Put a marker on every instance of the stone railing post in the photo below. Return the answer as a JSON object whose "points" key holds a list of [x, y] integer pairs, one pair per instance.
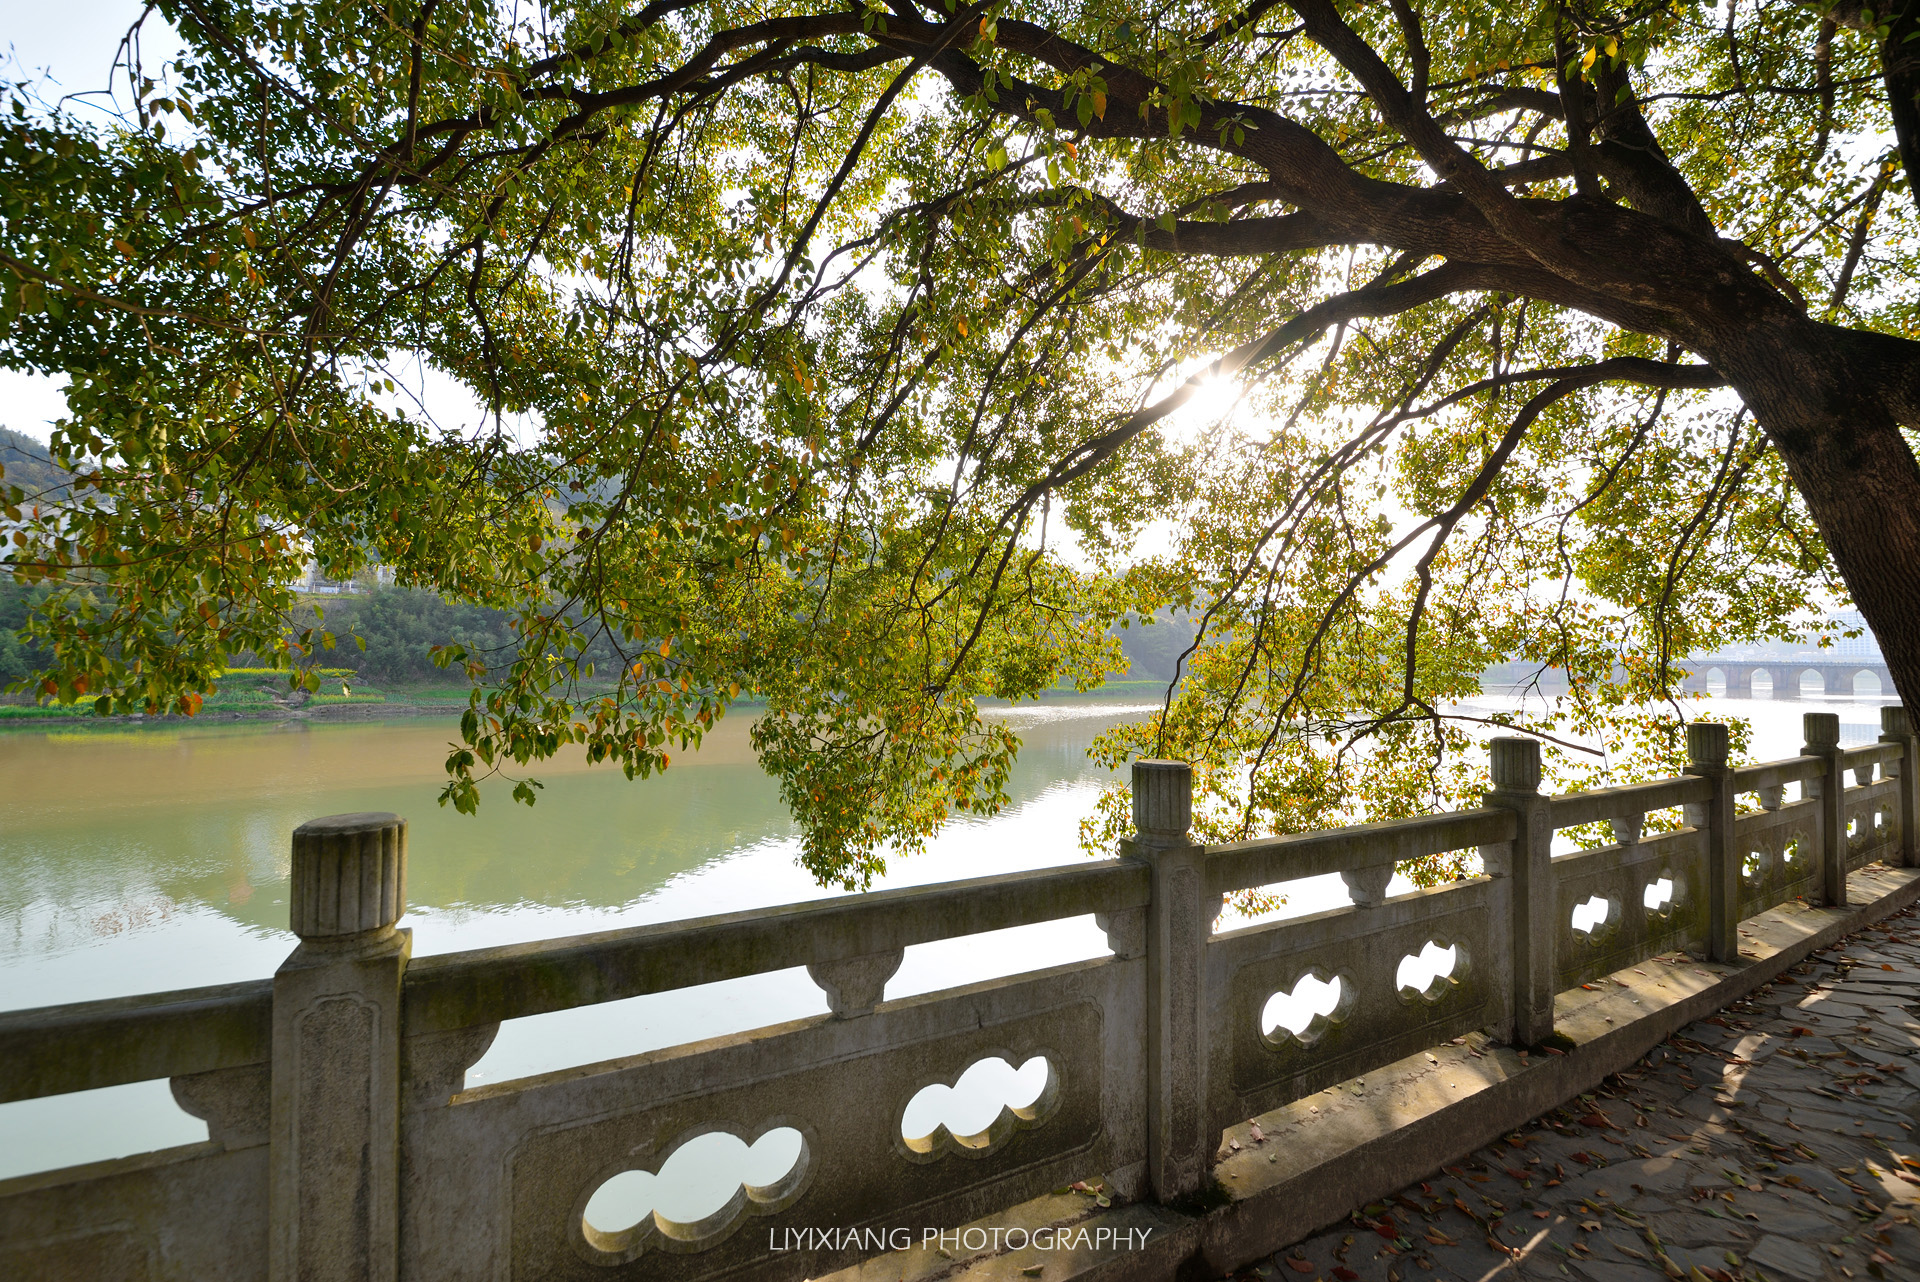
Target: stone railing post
{"points": [[1179, 1149], [1516, 787], [1707, 757], [1895, 728], [1822, 731], [333, 1166]]}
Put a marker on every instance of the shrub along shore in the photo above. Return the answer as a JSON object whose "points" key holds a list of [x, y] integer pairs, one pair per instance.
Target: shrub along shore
{"points": [[394, 675]]}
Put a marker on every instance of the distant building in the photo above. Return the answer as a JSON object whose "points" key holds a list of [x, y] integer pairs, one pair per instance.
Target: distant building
{"points": [[1863, 647], [318, 584]]}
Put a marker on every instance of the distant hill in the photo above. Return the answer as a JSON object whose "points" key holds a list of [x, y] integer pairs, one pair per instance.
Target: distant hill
{"points": [[30, 466], [1154, 646]]}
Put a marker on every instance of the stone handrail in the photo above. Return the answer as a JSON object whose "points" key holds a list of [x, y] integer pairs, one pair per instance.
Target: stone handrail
{"points": [[1240, 865], [88, 1045], [1579, 808], [346, 1143], [486, 985], [1775, 774]]}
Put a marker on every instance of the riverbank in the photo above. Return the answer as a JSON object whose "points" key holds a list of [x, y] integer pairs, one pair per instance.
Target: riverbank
{"points": [[254, 705], [361, 703]]}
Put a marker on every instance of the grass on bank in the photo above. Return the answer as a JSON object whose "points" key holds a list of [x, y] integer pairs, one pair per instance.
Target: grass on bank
{"points": [[248, 691], [245, 692]]}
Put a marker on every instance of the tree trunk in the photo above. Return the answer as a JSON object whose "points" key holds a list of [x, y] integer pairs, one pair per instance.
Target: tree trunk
{"points": [[1832, 401]]}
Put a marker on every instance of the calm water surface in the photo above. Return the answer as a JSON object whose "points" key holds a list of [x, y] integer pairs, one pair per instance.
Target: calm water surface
{"points": [[142, 859]]}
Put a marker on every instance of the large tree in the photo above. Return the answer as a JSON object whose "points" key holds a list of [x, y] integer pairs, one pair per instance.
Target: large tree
{"points": [[1414, 335]]}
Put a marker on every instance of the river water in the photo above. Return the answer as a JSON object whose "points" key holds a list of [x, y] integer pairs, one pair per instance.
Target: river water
{"points": [[139, 859]]}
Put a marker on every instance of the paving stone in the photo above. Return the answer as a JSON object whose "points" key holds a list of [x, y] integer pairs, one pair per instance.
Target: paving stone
{"points": [[1830, 1006], [1743, 1112], [1593, 1271], [1816, 1180], [1693, 1229], [1788, 1258], [1879, 1000], [1794, 1222], [1648, 1175]]}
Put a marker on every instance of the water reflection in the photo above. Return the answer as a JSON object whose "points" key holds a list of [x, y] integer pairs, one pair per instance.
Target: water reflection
{"points": [[117, 837], [156, 858]]}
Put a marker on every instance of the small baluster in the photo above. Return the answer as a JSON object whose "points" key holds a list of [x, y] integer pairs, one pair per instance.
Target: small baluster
{"points": [[1368, 886], [855, 985]]}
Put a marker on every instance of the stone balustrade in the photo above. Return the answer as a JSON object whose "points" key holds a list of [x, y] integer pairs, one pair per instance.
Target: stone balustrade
{"points": [[345, 1143]]}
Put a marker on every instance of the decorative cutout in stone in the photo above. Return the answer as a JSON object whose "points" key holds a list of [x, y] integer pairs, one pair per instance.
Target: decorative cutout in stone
{"points": [[1658, 896], [855, 985], [708, 1183], [1431, 973], [1591, 917], [1755, 865], [1368, 886], [980, 1110], [1303, 1016]]}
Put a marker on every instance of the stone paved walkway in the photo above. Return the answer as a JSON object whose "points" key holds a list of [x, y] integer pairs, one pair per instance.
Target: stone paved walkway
{"points": [[1777, 1140]]}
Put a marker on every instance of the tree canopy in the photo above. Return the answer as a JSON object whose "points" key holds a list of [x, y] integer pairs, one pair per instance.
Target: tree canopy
{"points": [[873, 358]]}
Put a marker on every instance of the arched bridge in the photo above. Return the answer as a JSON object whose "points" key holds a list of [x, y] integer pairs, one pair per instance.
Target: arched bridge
{"points": [[1833, 676]]}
